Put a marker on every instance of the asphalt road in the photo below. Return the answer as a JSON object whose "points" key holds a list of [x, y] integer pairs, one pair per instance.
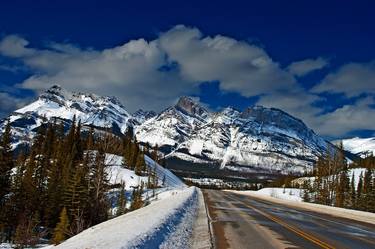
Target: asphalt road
{"points": [[239, 221]]}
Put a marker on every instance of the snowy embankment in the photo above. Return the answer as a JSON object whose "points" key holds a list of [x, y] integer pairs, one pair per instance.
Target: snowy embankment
{"points": [[166, 223], [334, 211], [290, 194]]}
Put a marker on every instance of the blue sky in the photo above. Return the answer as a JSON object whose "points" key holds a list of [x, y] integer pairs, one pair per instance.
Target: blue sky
{"points": [[314, 60]]}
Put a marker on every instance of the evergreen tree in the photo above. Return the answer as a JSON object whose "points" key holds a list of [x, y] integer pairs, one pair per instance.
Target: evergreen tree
{"points": [[359, 201], [352, 193], [98, 187], [137, 201], [61, 230], [140, 164], [6, 163], [121, 202]]}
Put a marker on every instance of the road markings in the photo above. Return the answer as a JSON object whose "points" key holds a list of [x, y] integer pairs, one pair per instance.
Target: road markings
{"points": [[289, 227]]}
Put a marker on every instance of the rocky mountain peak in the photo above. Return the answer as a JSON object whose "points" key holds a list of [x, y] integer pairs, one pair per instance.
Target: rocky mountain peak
{"points": [[141, 116], [191, 107]]}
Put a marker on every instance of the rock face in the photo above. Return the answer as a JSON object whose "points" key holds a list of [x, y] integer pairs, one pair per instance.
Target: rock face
{"points": [[141, 116], [257, 140]]}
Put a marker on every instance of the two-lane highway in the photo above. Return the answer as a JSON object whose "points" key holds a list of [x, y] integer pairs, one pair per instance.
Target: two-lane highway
{"points": [[241, 221]]}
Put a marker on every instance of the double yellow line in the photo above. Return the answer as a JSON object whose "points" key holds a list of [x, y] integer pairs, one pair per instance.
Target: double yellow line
{"points": [[289, 227]]}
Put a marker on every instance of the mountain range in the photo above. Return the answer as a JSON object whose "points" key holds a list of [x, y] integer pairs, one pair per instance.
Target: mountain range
{"points": [[257, 141]]}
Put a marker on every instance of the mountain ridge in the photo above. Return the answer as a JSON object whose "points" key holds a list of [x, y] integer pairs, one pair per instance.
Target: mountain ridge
{"points": [[257, 139]]}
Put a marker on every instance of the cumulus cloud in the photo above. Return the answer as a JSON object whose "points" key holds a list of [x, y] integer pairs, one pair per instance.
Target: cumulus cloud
{"points": [[239, 66], [359, 116], [296, 102], [301, 68], [151, 74], [15, 46], [351, 79]]}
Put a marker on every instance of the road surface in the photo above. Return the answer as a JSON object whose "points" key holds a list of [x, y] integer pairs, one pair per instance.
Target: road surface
{"points": [[239, 221]]}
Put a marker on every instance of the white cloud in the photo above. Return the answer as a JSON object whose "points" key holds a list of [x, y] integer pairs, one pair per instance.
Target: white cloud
{"points": [[359, 116], [301, 68], [15, 46], [351, 79], [297, 103], [9, 103], [239, 66], [132, 71]]}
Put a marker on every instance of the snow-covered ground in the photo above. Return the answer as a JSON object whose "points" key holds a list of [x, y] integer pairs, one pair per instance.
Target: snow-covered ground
{"points": [[359, 146], [117, 173], [357, 172], [290, 194], [165, 223]]}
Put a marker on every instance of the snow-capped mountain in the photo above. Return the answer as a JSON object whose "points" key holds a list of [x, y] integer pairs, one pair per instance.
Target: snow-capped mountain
{"points": [[58, 103], [141, 116], [174, 125], [256, 140], [253, 141], [360, 146]]}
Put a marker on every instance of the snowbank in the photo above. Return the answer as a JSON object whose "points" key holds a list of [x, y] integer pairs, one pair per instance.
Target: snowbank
{"points": [[166, 223], [290, 194]]}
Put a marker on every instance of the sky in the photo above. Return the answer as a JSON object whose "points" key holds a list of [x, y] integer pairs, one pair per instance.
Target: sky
{"points": [[312, 59]]}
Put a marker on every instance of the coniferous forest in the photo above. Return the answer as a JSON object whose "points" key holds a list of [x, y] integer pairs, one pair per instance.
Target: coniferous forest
{"points": [[58, 186], [331, 183]]}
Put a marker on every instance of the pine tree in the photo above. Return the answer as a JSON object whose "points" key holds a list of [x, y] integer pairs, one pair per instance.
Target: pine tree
{"points": [[352, 193], [61, 230], [121, 203], [137, 201], [305, 191], [98, 187], [367, 188], [140, 164], [359, 200], [6, 163]]}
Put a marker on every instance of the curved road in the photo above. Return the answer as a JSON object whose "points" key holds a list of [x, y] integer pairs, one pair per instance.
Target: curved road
{"points": [[241, 221]]}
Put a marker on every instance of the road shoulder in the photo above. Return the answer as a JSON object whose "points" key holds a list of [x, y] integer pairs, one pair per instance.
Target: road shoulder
{"points": [[356, 215], [201, 237]]}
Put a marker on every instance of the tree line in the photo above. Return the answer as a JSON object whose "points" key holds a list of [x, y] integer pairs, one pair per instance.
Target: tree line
{"points": [[331, 184], [58, 186]]}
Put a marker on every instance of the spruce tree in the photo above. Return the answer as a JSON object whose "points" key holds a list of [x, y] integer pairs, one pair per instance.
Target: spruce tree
{"points": [[98, 188], [121, 202], [61, 230], [6, 163]]}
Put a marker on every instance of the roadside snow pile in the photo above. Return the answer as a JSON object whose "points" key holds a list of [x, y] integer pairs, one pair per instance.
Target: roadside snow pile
{"points": [[290, 194], [166, 223]]}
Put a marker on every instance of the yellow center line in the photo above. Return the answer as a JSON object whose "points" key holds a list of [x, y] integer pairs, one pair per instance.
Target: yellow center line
{"points": [[289, 227]]}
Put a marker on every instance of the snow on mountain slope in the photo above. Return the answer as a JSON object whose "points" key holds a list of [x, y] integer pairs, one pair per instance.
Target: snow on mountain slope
{"points": [[360, 146], [58, 103], [257, 139], [89, 108], [141, 116], [174, 125]]}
